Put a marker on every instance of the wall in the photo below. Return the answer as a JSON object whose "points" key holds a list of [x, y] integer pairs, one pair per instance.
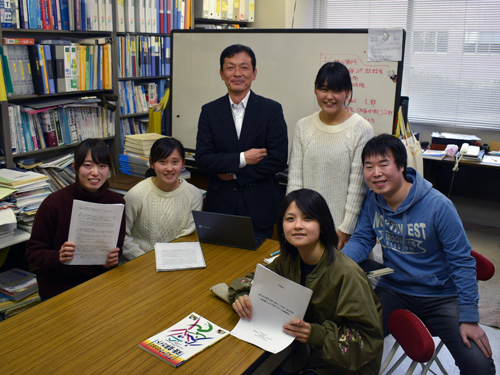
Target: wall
{"points": [[279, 14]]}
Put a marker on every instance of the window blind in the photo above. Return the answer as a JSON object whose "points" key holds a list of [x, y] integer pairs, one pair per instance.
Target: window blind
{"points": [[451, 64]]}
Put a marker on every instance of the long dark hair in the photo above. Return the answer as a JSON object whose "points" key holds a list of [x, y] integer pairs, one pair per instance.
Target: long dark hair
{"points": [[312, 204], [162, 149]]}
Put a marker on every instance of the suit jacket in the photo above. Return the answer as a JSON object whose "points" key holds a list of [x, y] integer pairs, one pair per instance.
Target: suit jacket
{"points": [[218, 151]]}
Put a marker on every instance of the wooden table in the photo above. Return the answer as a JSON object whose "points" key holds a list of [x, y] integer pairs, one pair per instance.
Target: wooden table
{"points": [[95, 328]]}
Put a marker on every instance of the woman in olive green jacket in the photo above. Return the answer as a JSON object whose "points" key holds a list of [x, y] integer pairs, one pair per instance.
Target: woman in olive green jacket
{"points": [[341, 332]]}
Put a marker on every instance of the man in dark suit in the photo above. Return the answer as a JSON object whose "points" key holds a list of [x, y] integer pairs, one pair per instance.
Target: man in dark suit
{"points": [[242, 143]]}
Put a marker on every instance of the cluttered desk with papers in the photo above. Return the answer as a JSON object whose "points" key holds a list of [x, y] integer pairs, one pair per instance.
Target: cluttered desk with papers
{"points": [[459, 164]]}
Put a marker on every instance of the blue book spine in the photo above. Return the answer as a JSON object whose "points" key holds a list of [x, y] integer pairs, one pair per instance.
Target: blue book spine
{"points": [[174, 15], [167, 57], [99, 67], [153, 53], [54, 14], [41, 63], [165, 16], [83, 15], [50, 68], [150, 58], [23, 24], [63, 118], [143, 57], [126, 98], [65, 14], [38, 15]]}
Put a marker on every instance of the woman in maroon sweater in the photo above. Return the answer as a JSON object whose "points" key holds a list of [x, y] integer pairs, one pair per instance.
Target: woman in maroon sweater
{"points": [[48, 248]]}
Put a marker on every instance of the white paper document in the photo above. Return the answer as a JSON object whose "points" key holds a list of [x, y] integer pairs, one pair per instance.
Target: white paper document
{"points": [[275, 301], [94, 228], [178, 256], [385, 44]]}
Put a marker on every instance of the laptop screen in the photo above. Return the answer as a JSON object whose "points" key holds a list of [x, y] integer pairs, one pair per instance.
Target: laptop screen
{"points": [[224, 229]]}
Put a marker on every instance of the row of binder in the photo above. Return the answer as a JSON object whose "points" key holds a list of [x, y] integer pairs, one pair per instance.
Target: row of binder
{"points": [[226, 10], [143, 56], [87, 15], [56, 68]]}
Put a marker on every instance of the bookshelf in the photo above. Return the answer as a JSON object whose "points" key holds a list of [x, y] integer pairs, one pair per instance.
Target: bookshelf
{"points": [[42, 101], [223, 14], [120, 34]]}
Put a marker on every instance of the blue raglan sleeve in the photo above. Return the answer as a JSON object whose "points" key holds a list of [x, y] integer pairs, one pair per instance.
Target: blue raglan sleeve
{"points": [[364, 238], [457, 248]]}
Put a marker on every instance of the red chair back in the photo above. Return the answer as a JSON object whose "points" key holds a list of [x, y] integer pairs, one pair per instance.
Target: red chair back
{"points": [[485, 269], [412, 335]]}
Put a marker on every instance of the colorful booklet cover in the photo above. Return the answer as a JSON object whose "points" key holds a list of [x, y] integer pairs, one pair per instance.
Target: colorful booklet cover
{"points": [[184, 340]]}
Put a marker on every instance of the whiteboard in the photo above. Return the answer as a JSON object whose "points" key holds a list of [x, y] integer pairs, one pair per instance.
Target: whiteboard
{"points": [[287, 64]]}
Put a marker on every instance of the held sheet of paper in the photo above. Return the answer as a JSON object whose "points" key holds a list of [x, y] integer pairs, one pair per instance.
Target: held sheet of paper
{"points": [[94, 228], [275, 301]]}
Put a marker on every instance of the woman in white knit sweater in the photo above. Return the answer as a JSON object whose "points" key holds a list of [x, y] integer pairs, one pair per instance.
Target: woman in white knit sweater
{"points": [[159, 208], [326, 150]]}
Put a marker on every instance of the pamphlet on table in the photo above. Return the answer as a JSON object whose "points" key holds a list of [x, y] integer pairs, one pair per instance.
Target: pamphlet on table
{"points": [[184, 340]]}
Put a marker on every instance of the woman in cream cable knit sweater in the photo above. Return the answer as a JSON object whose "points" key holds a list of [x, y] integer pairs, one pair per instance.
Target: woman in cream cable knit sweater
{"points": [[159, 208], [326, 150]]}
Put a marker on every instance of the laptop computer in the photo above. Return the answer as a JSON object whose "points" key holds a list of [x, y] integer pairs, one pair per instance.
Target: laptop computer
{"points": [[226, 230]]}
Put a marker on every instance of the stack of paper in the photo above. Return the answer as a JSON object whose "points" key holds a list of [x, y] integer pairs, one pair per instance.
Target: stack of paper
{"points": [[8, 223], [59, 171], [10, 308], [16, 178], [16, 284], [23, 192]]}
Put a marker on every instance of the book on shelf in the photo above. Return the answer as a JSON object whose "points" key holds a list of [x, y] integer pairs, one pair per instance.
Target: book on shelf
{"points": [[175, 256], [16, 284], [184, 340], [18, 68], [3, 86], [26, 41]]}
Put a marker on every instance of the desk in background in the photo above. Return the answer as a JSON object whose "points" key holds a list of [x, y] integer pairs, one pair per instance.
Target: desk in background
{"points": [[95, 327], [473, 180]]}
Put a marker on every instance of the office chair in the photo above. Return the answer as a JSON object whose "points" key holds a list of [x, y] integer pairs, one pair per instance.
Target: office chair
{"points": [[414, 337]]}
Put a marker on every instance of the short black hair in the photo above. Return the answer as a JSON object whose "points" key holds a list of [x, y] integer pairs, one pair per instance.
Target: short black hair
{"points": [[335, 76], [383, 145], [312, 204], [99, 151], [162, 149], [233, 50]]}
